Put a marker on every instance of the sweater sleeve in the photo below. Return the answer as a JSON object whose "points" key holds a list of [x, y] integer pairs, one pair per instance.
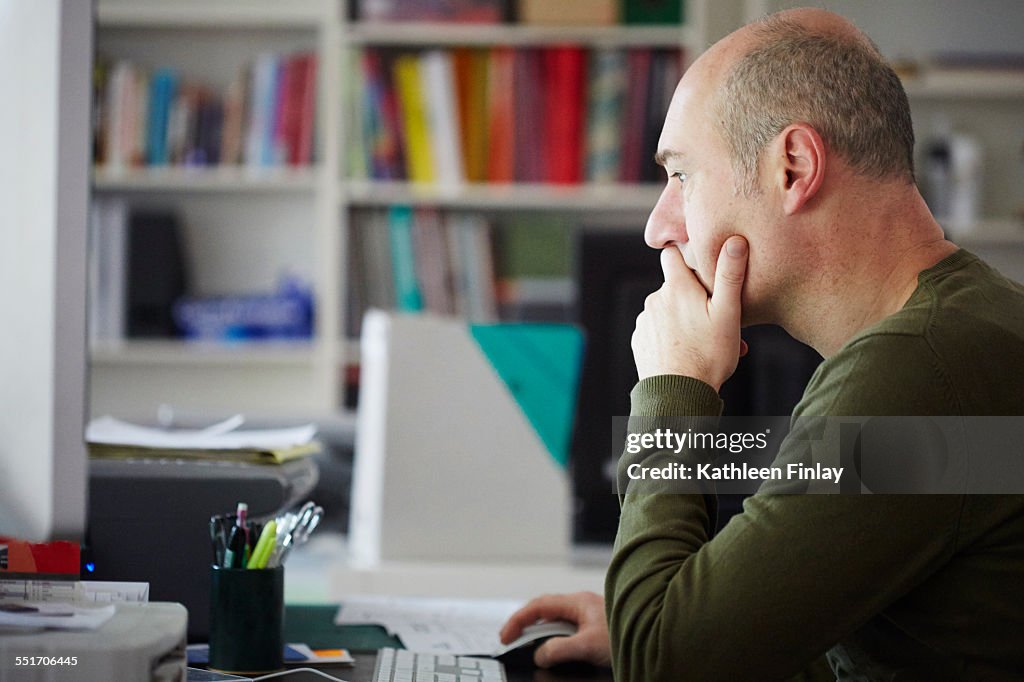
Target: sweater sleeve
{"points": [[791, 575]]}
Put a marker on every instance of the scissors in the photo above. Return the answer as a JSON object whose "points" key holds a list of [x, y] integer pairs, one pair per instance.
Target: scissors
{"points": [[294, 529]]}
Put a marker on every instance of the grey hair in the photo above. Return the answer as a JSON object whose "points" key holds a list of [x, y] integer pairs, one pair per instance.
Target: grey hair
{"points": [[839, 84]]}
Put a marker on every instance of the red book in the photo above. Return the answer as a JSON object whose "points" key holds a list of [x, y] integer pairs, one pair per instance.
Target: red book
{"points": [[501, 107], [307, 111], [285, 76], [565, 73], [637, 94]]}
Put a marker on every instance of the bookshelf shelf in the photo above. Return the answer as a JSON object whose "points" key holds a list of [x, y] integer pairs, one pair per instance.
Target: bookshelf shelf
{"points": [[516, 196], [205, 179], [194, 15], [436, 34], [178, 353]]}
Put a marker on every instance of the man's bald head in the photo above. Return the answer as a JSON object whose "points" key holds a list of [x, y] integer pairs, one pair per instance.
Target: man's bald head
{"points": [[815, 67]]}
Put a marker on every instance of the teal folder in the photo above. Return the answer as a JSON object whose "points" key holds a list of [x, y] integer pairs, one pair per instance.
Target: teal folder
{"points": [[540, 365]]}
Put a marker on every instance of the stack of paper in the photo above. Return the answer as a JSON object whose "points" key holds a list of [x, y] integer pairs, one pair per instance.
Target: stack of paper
{"points": [[114, 439]]}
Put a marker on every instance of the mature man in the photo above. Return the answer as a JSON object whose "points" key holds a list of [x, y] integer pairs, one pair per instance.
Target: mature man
{"points": [[791, 200]]}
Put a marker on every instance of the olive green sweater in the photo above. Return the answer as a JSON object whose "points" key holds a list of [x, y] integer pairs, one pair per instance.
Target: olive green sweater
{"points": [[891, 587]]}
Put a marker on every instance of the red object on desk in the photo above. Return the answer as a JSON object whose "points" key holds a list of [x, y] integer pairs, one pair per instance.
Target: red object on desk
{"points": [[60, 557]]}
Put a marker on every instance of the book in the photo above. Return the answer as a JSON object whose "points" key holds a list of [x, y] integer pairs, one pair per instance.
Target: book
{"points": [[432, 262], [306, 94], [564, 68], [163, 90], [607, 93], [477, 267], [287, 104], [637, 92], [408, 296], [235, 99], [471, 87], [530, 131], [371, 282], [438, 86], [419, 155], [501, 113]]}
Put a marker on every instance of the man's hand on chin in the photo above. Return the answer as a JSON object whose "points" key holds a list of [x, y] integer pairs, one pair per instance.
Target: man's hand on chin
{"points": [[684, 331]]}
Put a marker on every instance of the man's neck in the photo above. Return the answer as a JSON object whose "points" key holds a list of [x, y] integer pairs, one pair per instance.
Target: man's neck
{"points": [[868, 275]]}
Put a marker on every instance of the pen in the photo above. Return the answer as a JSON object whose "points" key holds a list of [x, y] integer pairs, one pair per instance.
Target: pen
{"points": [[235, 552], [263, 548]]}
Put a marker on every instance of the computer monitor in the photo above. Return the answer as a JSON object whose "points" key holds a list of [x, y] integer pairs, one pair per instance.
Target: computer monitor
{"points": [[45, 66], [615, 271]]}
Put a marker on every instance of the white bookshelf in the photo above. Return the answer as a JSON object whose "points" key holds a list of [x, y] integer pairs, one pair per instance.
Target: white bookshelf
{"points": [[313, 205], [192, 14], [302, 215], [513, 196], [428, 34], [244, 226], [206, 179], [173, 353]]}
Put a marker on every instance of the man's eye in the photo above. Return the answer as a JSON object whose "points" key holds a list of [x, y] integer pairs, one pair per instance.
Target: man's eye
{"points": [[680, 176]]}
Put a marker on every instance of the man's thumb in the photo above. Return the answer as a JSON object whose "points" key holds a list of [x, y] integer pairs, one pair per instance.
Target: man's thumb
{"points": [[729, 276]]}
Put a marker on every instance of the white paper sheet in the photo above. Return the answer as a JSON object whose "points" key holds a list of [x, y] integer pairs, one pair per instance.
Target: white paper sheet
{"points": [[441, 626], [110, 431]]}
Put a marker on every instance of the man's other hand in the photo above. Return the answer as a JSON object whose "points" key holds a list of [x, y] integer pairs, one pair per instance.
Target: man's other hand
{"points": [[586, 609], [683, 330]]}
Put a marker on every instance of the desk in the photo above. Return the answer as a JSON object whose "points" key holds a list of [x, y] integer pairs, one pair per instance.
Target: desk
{"points": [[315, 626]]}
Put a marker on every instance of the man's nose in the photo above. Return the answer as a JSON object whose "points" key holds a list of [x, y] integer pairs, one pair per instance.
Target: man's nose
{"points": [[666, 224]]}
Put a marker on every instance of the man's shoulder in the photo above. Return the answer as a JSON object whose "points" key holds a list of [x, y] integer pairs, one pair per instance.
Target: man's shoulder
{"points": [[887, 372], [957, 347]]}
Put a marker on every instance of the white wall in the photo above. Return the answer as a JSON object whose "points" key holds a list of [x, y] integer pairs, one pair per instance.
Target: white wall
{"points": [[45, 61]]}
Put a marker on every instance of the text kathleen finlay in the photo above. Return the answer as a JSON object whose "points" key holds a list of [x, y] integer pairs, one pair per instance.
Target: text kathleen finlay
{"points": [[733, 472]]}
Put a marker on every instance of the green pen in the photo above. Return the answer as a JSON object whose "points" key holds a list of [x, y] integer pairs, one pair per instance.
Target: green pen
{"points": [[263, 546]]}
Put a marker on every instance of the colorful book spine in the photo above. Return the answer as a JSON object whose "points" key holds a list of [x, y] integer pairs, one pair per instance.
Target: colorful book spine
{"points": [[561, 115], [306, 94], [638, 69], [501, 111], [408, 297], [265, 117], [530, 130], [163, 89], [419, 158], [604, 115], [565, 69], [437, 78]]}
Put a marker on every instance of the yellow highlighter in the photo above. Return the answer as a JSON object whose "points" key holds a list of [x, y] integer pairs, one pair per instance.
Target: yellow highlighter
{"points": [[264, 545]]}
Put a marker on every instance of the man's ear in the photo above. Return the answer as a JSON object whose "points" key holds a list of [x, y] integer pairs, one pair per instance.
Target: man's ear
{"points": [[801, 165]]}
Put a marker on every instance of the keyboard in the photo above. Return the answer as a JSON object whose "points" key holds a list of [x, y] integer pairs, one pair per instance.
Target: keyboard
{"points": [[399, 665]]}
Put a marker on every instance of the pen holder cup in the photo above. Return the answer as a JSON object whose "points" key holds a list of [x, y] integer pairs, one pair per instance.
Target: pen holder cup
{"points": [[246, 619]]}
